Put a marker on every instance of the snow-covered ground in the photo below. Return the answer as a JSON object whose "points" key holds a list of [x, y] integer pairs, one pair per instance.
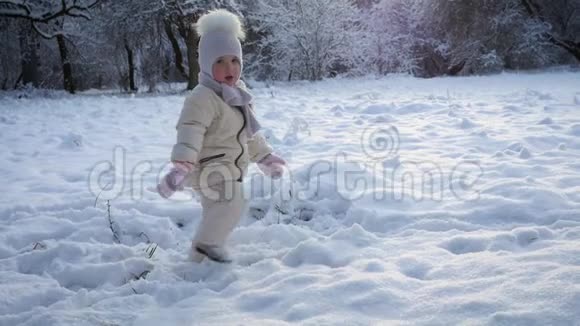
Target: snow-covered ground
{"points": [[409, 201]]}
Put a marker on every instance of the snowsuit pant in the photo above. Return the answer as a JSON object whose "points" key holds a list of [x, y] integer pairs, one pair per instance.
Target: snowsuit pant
{"points": [[223, 205]]}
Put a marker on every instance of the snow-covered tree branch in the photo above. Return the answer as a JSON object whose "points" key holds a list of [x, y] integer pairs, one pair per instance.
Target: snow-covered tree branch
{"points": [[305, 39], [563, 19], [46, 11]]}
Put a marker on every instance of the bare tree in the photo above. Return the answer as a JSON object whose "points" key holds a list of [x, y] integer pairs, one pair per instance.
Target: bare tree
{"points": [[392, 36], [482, 36], [45, 11], [129, 25], [48, 19], [29, 58], [307, 39], [564, 19], [181, 15]]}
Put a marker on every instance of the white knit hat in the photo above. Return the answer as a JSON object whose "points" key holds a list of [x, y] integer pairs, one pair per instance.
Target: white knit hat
{"points": [[220, 33]]}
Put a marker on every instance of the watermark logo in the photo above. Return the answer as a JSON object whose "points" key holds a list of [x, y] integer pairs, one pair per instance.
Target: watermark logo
{"points": [[380, 143], [341, 174]]}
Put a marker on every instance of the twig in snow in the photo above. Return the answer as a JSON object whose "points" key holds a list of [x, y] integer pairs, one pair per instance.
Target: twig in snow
{"points": [[39, 245], [111, 226], [151, 250], [96, 199], [143, 275], [146, 236], [280, 212]]}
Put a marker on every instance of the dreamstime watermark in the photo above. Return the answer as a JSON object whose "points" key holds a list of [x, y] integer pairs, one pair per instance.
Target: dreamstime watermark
{"points": [[377, 173], [379, 143]]}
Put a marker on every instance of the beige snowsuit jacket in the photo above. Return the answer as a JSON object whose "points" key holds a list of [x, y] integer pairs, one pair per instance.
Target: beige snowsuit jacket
{"points": [[211, 135]]}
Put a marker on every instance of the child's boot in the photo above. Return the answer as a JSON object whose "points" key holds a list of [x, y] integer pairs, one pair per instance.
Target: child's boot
{"points": [[213, 252], [194, 255]]}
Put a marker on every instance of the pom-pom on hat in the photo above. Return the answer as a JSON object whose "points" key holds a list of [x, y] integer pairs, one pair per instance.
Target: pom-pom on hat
{"points": [[220, 33]]}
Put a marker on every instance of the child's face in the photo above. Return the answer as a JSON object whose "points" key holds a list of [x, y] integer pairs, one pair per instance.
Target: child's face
{"points": [[227, 70]]}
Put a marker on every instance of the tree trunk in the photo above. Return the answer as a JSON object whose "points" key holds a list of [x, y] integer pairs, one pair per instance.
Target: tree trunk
{"points": [[29, 55], [191, 41], [165, 71], [176, 49], [131, 64], [17, 81], [69, 85]]}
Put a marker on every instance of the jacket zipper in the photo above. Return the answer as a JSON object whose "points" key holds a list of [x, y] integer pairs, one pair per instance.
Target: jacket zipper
{"points": [[239, 142], [203, 160]]}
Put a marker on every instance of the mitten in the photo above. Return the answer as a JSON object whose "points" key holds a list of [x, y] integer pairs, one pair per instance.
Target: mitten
{"points": [[272, 165], [173, 181]]}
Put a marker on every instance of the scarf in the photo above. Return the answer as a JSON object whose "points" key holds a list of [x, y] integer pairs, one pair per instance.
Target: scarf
{"points": [[233, 96]]}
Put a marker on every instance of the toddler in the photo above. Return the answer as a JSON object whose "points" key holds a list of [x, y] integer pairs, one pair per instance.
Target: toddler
{"points": [[217, 137]]}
